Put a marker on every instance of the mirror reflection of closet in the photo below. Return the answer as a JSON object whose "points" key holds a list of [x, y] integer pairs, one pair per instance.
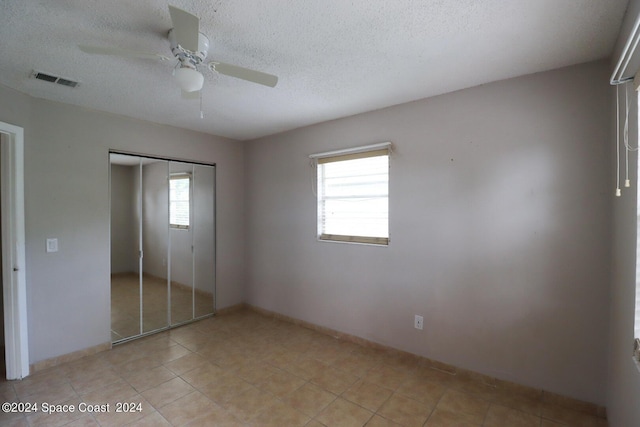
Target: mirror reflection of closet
{"points": [[162, 244], [155, 241], [181, 232]]}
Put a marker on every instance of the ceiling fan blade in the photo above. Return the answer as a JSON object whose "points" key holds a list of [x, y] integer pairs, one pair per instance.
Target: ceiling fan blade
{"points": [[244, 73], [186, 28], [115, 51]]}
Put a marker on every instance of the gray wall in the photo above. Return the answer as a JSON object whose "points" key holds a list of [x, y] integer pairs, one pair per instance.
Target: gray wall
{"points": [[500, 229], [66, 196], [623, 387], [124, 241], [204, 239], [155, 208], [499, 223]]}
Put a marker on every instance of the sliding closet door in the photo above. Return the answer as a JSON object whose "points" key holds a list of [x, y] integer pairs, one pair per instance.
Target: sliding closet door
{"points": [[126, 272], [192, 236], [181, 241], [155, 243], [204, 238], [162, 244]]}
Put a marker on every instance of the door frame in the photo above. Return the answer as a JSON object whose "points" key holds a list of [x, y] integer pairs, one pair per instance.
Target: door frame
{"points": [[13, 252]]}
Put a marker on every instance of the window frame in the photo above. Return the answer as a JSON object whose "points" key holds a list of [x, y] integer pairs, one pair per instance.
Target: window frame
{"points": [[375, 150], [180, 176]]}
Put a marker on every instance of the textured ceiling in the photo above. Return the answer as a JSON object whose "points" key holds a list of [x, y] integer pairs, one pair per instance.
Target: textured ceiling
{"points": [[334, 58]]}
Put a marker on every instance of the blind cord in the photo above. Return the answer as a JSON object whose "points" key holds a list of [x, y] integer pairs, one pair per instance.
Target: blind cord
{"points": [[628, 147], [618, 193], [625, 136], [626, 139]]}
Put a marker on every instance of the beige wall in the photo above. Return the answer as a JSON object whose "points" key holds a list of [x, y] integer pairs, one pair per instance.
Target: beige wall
{"points": [[66, 196], [499, 225]]}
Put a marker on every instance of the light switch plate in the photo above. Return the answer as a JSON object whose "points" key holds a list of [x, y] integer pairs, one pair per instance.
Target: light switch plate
{"points": [[418, 322], [52, 245]]}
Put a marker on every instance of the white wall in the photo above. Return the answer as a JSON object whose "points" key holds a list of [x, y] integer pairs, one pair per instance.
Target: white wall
{"points": [[623, 387], [500, 221], [66, 192]]}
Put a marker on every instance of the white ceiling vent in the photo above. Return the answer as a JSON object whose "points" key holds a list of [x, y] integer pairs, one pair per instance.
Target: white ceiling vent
{"points": [[54, 79]]}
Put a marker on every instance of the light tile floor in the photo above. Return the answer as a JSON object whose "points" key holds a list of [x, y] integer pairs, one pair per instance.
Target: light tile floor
{"points": [[245, 369]]}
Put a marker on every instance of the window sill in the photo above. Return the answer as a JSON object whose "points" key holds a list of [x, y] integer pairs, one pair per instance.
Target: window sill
{"points": [[375, 241], [352, 242]]}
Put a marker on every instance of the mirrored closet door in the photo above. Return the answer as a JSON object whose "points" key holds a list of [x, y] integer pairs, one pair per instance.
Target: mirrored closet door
{"points": [[162, 244]]}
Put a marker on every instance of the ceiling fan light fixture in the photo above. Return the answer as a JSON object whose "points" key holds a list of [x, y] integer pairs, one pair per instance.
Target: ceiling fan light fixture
{"points": [[189, 79]]}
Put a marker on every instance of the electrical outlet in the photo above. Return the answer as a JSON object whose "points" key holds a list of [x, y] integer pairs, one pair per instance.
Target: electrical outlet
{"points": [[52, 245], [418, 322]]}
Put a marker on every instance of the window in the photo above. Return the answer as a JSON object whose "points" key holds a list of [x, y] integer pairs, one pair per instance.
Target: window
{"points": [[353, 195], [179, 203]]}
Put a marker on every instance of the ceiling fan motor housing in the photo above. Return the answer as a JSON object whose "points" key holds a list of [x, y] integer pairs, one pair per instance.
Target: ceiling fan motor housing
{"points": [[186, 57]]}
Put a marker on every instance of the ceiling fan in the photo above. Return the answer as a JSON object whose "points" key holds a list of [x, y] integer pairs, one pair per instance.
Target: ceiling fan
{"points": [[189, 47]]}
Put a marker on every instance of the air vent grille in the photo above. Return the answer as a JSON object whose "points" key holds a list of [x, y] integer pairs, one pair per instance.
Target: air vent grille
{"points": [[54, 79]]}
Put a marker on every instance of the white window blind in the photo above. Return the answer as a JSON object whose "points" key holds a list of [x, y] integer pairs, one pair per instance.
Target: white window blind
{"points": [[353, 196], [179, 200]]}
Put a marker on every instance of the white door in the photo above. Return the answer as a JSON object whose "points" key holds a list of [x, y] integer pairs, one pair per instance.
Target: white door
{"points": [[13, 251]]}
